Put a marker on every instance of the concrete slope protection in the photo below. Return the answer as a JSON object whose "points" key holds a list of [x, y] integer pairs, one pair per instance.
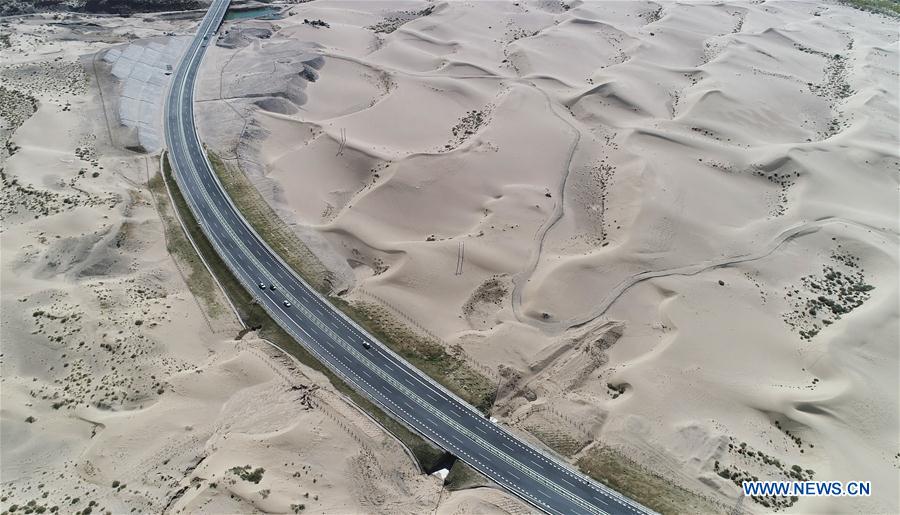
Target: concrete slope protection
{"points": [[358, 358]]}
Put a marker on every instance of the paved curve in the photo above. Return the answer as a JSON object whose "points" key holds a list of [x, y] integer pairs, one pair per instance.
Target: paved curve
{"points": [[400, 389]]}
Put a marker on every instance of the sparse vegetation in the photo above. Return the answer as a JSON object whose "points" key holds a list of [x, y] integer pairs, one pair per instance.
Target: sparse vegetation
{"points": [[784, 180], [28, 201], [557, 439], [492, 291], [615, 390], [248, 473], [619, 472], [199, 281], [56, 76], [825, 298], [747, 458], [886, 7], [468, 125], [835, 86], [316, 23], [122, 7], [394, 21], [15, 108], [462, 476], [424, 353], [270, 227]]}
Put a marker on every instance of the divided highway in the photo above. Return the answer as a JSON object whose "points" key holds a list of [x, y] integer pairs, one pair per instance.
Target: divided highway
{"points": [[364, 363]]}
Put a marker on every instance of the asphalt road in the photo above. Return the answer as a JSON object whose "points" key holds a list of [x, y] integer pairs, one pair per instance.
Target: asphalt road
{"points": [[408, 395]]}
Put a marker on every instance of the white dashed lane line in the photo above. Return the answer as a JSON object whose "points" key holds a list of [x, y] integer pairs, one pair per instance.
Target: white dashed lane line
{"points": [[537, 464], [407, 381], [601, 500]]}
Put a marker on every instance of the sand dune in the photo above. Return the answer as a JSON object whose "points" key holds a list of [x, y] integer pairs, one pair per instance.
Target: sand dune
{"points": [[127, 383], [650, 198]]}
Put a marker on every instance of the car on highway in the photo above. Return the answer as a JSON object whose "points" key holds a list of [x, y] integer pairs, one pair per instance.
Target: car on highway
{"points": [[286, 304], [262, 285], [272, 286], [367, 345]]}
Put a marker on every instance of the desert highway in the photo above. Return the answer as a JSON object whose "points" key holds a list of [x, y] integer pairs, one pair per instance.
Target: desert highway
{"points": [[365, 364]]}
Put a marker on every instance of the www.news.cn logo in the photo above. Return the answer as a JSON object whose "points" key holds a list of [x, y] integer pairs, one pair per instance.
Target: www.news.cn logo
{"points": [[807, 488]]}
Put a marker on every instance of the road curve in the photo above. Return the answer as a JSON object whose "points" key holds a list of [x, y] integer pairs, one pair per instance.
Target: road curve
{"points": [[401, 390]]}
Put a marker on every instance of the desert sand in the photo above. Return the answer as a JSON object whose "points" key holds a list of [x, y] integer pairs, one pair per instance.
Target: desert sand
{"points": [[126, 382], [669, 230]]}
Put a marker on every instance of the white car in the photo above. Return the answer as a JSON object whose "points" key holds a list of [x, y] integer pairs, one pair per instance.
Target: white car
{"points": [[262, 285], [286, 304]]}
